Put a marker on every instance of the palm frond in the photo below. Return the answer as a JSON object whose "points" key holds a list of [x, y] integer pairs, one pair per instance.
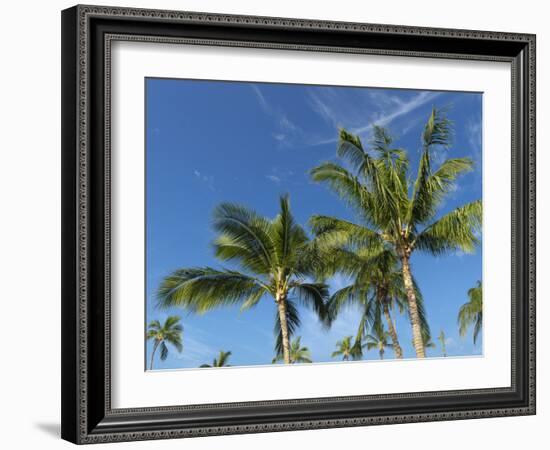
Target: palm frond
{"points": [[347, 186], [472, 312], [456, 230], [289, 238], [247, 230], [346, 296], [431, 188], [438, 129], [204, 288], [163, 351], [314, 296], [332, 232]]}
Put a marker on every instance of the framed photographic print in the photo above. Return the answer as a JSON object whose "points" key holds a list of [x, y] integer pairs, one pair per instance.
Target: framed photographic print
{"points": [[281, 224]]}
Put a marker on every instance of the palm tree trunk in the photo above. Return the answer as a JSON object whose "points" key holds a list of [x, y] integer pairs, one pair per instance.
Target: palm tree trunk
{"points": [[157, 342], [281, 305], [413, 307], [393, 333]]}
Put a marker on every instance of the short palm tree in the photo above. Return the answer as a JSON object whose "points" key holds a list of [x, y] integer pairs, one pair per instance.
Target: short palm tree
{"points": [[220, 361], [170, 332], [297, 354], [346, 349], [378, 339], [276, 260], [377, 288], [395, 211], [472, 312], [442, 341]]}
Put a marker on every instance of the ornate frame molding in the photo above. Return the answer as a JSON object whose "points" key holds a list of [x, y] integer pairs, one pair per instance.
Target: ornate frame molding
{"points": [[80, 418]]}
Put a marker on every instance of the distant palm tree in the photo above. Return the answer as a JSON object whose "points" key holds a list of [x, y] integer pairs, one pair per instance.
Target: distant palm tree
{"points": [[395, 209], [472, 312], [442, 341], [378, 339], [220, 361], [171, 332], [298, 354], [276, 260], [346, 349]]}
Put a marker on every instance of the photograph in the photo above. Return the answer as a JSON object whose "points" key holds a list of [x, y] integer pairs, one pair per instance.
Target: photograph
{"points": [[278, 222], [303, 224]]}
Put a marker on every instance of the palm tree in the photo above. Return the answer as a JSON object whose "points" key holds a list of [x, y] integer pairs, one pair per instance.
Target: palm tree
{"points": [[171, 333], [346, 349], [378, 339], [377, 288], [395, 212], [442, 340], [472, 312], [276, 260], [297, 354], [220, 361]]}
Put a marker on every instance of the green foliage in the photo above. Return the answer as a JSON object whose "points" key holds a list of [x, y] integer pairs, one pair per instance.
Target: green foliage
{"points": [[170, 332], [395, 212], [392, 209], [378, 339], [298, 353], [347, 350], [220, 361], [275, 258], [472, 312]]}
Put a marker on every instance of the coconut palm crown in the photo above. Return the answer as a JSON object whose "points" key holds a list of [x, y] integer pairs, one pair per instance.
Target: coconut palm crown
{"points": [[346, 349], [220, 361], [395, 211], [378, 339], [297, 354], [170, 332], [275, 259], [472, 312]]}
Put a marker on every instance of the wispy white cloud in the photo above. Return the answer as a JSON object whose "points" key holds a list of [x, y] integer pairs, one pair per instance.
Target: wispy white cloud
{"points": [[261, 99], [321, 103], [286, 130], [400, 108], [273, 178], [384, 109], [279, 175], [207, 179], [196, 352]]}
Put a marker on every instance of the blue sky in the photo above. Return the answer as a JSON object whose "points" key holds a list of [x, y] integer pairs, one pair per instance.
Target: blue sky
{"points": [[210, 141]]}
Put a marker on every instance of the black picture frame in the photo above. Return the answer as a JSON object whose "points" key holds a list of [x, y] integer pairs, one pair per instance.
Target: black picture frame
{"points": [[87, 416]]}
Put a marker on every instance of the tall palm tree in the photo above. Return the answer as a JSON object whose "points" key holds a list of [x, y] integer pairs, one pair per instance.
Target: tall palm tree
{"points": [[220, 361], [394, 211], [170, 332], [442, 341], [346, 349], [378, 339], [297, 353], [275, 258], [472, 312]]}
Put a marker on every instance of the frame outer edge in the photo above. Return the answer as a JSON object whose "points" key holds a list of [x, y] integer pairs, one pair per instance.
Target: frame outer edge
{"points": [[69, 234], [75, 183]]}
